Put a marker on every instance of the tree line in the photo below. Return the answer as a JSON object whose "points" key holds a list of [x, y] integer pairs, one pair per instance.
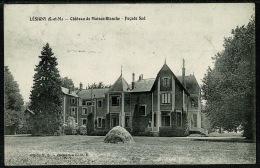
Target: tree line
{"points": [[229, 87], [45, 98]]}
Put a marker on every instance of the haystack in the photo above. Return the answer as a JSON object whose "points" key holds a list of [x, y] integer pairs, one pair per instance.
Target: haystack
{"points": [[118, 134]]}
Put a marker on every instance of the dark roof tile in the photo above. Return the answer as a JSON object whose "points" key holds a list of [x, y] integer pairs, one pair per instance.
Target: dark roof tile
{"points": [[120, 85], [144, 85], [92, 93]]}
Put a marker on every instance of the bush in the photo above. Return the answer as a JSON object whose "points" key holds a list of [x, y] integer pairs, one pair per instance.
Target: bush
{"points": [[82, 130], [99, 132], [9, 130], [172, 132], [90, 124], [70, 131], [71, 128], [140, 123], [24, 130], [107, 123], [148, 134]]}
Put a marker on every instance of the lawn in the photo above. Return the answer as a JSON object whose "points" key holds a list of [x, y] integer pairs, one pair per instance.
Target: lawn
{"points": [[84, 150]]}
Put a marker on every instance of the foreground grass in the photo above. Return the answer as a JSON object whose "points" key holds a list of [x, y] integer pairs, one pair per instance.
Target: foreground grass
{"points": [[84, 150]]}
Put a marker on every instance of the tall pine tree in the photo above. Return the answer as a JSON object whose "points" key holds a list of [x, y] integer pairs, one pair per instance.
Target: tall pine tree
{"points": [[46, 95]]}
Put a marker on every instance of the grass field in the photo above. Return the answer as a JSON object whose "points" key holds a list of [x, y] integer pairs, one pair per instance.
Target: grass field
{"points": [[84, 150]]}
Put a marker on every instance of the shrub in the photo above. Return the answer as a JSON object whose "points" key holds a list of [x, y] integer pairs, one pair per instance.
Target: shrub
{"points": [[140, 122], [99, 132], [107, 123], [172, 132], [148, 134], [71, 127], [82, 130], [90, 124], [24, 130]]}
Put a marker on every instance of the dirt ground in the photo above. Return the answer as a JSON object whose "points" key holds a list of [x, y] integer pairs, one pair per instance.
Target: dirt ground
{"points": [[91, 150]]}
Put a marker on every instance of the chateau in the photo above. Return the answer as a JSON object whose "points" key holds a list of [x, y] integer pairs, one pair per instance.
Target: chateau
{"points": [[171, 104]]}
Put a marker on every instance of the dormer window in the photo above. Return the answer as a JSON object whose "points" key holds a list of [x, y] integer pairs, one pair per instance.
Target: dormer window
{"points": [[166, 81]]}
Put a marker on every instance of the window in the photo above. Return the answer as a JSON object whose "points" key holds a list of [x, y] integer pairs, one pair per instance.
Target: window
{"points": [[194, 104], [194, 120], [115, 100], [99, 103], [99, 122], [73, 100], [178, 119], [114, 119], [84, 121], [166, 98], [103, 122], [89, 103], [166, 81], [166, 119], [154, 120], [127, 120], [84, 111], [142, 110], [73, 110]]}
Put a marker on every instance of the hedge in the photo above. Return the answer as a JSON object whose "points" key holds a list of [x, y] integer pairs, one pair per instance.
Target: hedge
{"points": [[172, 132]]}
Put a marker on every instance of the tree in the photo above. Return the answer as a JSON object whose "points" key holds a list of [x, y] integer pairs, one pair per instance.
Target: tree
{"points": [[90, 124], [229, 88], [67, 83], [12, 98], [140, 122], [13, 101], [98, 86], [46, 95]]}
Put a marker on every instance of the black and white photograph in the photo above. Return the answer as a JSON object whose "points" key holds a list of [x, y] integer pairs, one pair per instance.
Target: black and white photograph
{"points": [[129, 84]]}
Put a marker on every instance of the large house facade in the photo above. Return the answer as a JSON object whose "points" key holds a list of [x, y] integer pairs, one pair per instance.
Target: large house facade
{"points": [[170, 105]]}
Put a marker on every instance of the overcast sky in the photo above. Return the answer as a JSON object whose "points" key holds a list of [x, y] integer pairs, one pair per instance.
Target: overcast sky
{"points": [[93, 51]]}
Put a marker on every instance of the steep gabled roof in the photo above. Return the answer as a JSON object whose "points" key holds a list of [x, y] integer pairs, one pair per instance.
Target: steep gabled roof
{"points": [[120, 85], [68, 92], [166, 68], [143, 85], [191, 83], [92, 93]]}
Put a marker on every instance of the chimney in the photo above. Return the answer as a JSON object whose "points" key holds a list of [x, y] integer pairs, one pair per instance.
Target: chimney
{"points": [[183, 73], [133, 81], [80, 86], [141, 77]]}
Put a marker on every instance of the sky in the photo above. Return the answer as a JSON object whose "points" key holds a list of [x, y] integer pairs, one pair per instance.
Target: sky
{"points": [[91, 51]]}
